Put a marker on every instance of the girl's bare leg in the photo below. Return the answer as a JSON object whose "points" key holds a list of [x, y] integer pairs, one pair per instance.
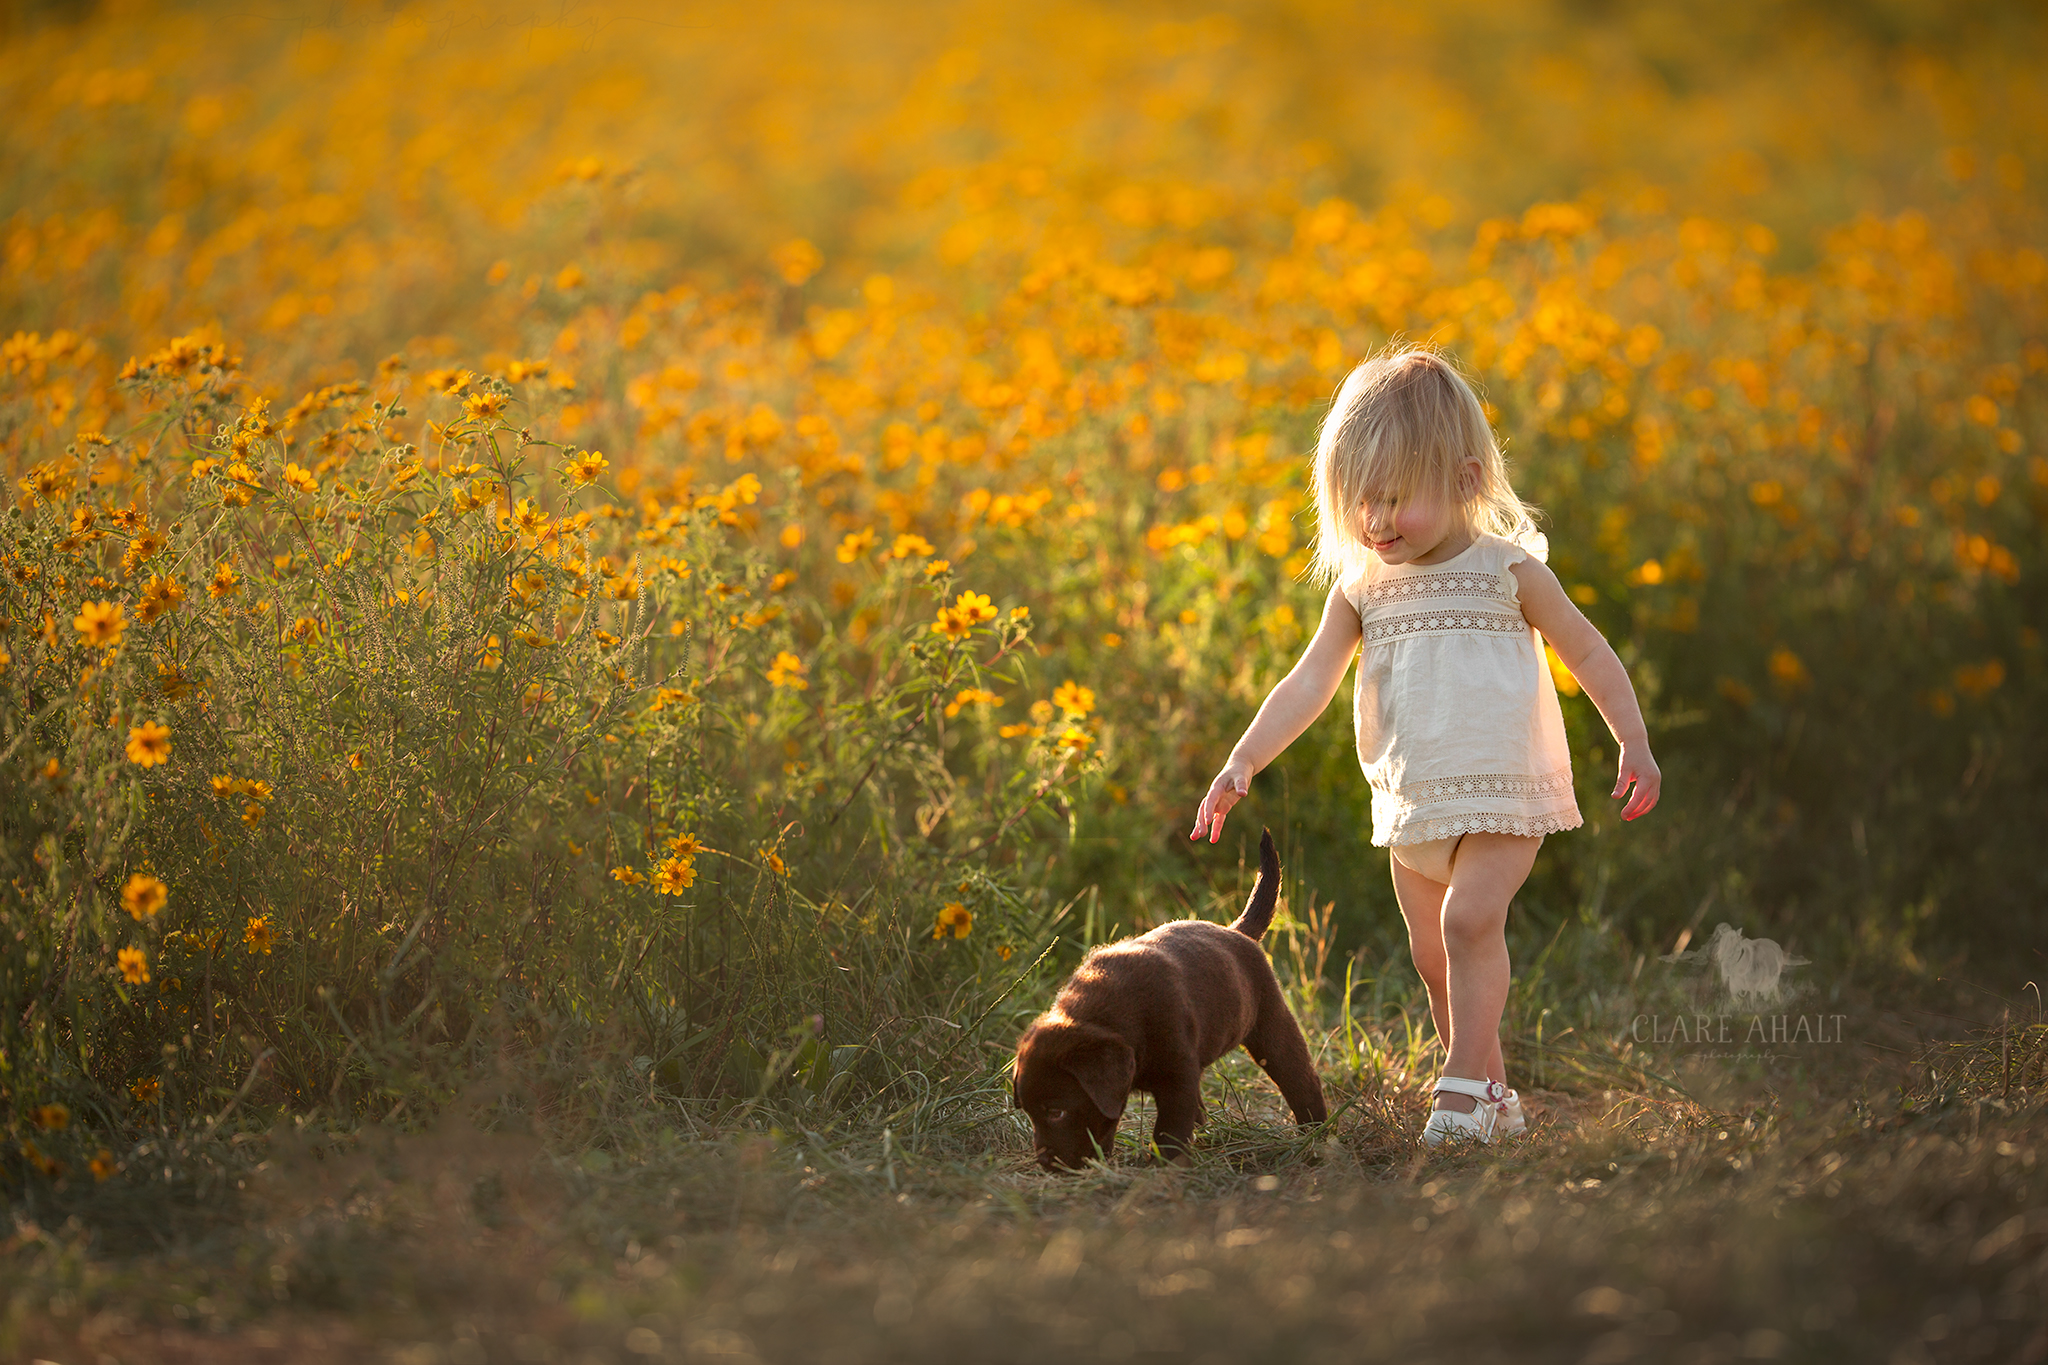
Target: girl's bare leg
{"points": [[1457, 935]]}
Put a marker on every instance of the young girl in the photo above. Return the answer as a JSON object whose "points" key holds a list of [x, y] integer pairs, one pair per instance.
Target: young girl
{"points": [[1438, 568]]}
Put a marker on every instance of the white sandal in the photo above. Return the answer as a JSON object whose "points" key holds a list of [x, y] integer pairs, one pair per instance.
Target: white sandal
{"points": [[1479, 1125], [1511, 1123]]}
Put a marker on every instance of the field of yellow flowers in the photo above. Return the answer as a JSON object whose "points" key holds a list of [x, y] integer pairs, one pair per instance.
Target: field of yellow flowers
{"points": [[574, 562], [725, 534]]}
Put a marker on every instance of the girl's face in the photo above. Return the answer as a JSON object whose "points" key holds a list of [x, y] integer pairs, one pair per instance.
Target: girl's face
{"points": [[1413, 530], [1420, 528]]}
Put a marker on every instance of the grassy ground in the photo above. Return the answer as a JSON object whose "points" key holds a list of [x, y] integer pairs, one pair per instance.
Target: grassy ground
{"points": [[1880, 1199]]}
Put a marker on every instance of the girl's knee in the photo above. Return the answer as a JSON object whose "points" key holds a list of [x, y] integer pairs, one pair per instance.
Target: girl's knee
{"points": [[1472, 926]]}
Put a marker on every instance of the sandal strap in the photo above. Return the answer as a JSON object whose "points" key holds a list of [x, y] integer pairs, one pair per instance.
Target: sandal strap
{"points": [[1491, 1091]]}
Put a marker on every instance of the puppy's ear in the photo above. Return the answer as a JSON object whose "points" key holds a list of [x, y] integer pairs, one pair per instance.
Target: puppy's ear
{"points": [[1105, 1066]]}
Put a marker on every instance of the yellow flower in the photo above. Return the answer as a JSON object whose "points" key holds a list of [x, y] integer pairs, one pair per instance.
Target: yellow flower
{"points": [[143, 896], [971, 696], [301, 478], [796, 260], [237, 493], [673, 875], [772, 862], [101, 623], [856, 544], [134, 965], [527, 515], [1788, 668], [256, 934], [909, 544], [146, 1090], [586, 467], [525, 590], [159, 595], [355, 762], [172, 681], [937, 567], [482, 407], [252, 813], [787, 671], [627, 876], [1075, 740], [975, 607], [953, 624], [685, 845], [225, 581], [149, 744], [955, 919], [1072, 698], [624, 588], [54, 1117], [1003, 952], [102, 1165], [144, 548]]}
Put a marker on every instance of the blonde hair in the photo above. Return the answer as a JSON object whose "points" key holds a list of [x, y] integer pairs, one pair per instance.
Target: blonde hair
{"points": [[1402, 426]]}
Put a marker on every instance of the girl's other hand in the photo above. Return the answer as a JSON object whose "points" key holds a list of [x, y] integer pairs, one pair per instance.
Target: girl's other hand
{"points": [[1638, 768], [1226, 791]]}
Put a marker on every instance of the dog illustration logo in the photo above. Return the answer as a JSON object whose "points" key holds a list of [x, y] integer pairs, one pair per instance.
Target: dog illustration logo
{"points": [[1749, 967]]}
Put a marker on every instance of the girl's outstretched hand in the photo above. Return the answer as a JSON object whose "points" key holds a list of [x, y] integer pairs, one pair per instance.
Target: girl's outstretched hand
{"points": [[1226, 791], [1638, 768]]}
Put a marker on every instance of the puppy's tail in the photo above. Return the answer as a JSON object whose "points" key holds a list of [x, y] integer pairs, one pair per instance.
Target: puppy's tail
{"points": [[1258, 911]]}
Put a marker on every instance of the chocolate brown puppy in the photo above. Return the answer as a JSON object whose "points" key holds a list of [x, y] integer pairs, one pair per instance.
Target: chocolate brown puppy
{"points": [[1148, 1014]]}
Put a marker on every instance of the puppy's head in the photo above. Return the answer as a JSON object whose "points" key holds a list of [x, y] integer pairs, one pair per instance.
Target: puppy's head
{"points": [[1073, 1079]]}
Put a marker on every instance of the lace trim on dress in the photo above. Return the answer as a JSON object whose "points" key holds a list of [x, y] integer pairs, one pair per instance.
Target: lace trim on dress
{"points": [[1395, 627], [1432, 790], [1451, 826], [1416, 586]]}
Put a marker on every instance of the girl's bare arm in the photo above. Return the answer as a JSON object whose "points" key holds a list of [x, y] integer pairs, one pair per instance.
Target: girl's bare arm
{"points": [[1294, 701], [1585, 651]]}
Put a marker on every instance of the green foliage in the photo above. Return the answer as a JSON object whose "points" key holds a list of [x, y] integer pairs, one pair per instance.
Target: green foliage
{"points": [[440, 757]]}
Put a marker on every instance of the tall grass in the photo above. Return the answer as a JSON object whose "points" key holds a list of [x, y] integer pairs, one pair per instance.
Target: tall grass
{"points": [[401, 758]]}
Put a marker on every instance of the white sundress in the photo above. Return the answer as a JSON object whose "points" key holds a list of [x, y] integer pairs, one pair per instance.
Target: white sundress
{"points": [[1459, 730]]}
